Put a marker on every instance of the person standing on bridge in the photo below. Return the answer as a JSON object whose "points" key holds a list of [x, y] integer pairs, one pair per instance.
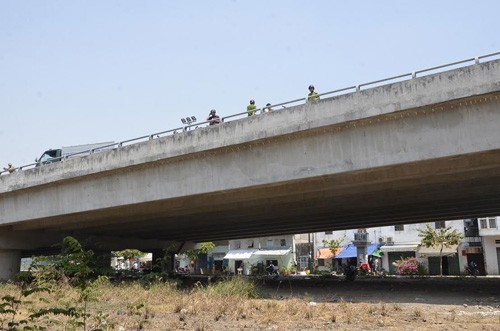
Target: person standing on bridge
{"points": [[10, 168], [251, 108], [268, 108], [312, 96], [213, 118]]}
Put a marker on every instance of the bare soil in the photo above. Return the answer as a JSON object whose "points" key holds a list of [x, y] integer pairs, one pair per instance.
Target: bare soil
{"points": [[299, 303], [308, 303]]}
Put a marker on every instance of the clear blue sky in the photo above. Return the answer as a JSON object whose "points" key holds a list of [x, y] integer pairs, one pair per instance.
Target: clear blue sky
{"points": [[76, 72]]}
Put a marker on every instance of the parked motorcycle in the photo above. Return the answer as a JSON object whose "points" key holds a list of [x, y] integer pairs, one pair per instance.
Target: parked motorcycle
{"points": [[350, 272], [471, 269], [272, 271]]}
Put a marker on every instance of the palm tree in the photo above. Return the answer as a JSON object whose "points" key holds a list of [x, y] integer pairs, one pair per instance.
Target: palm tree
{"points": [[440, 238]]}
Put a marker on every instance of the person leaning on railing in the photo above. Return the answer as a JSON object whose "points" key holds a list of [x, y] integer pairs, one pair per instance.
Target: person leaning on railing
{"points": [[251, 108], [213, 118], [268, 108], [312, 96], [10, 168]]}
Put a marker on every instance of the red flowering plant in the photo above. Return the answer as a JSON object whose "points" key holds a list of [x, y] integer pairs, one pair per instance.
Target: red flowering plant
{"points": [[407, 266]]}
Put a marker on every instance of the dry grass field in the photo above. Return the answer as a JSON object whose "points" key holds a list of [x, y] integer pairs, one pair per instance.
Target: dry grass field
{"points": [[305, 304]]}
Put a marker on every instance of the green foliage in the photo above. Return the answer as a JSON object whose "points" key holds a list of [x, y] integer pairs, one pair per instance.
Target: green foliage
{"points": [[288, 270], [440, 239], [130, 254], [101, 322], [141, 313], [333, 245], [235, 287], [193, 254], [73, 262], [206, 246], [153, 278], [49, 275]]}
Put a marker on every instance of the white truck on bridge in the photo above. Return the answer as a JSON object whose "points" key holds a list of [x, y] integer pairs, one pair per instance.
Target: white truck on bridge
{"points": [[56, 155]]}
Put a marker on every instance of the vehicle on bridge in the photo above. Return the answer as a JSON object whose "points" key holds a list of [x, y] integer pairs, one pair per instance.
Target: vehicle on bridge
{"points": [[56, 155]]}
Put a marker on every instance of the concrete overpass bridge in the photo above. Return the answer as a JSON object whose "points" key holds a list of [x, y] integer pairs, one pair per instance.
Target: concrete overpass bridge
{"points": [[416, 150]]}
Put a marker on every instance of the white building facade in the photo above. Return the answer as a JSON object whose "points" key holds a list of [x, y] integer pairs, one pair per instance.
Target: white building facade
{"points": [[489, 230], [481, 244], [251, 256]]}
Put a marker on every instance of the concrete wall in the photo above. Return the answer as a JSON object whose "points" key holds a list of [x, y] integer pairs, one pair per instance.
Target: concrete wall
{"points": [[490, 254], [10, 264], [409, 235], [261, 242]]}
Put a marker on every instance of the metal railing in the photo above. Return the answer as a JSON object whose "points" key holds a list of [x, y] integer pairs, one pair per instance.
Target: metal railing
{"points": [[346, 90]]}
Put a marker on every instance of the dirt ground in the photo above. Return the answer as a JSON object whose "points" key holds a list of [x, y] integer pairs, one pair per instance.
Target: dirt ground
{"points": [[482, 291], [308, 303], [298, 303], [401, 303]]}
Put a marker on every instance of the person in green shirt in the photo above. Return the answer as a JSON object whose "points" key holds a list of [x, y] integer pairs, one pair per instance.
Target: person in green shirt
{"points": [[251, 108], [312, 96]]}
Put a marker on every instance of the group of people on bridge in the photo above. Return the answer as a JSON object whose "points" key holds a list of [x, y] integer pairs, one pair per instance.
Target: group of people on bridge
{"points": [[214, 119]]}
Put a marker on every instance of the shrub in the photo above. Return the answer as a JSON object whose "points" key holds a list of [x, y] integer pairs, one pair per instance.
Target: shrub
{"points": [[235, 287], [407, 266]]}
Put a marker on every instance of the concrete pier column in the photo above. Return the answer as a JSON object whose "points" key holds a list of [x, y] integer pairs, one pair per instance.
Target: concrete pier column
{"points": [[10, 263], [362, 253], [361, 241]]}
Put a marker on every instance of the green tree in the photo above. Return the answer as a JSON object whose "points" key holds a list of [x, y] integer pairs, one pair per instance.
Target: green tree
{"points": [[130, 253], [439, 238], [193, 254], [333, 246], [206, 246]]}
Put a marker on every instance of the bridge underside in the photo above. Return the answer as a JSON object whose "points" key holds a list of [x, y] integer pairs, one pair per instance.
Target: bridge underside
{"points": [[420, 150], [441, 189]]}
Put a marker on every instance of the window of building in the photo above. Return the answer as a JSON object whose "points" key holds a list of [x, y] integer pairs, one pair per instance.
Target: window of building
{"points": [[250, 244], [439, 224], [486, 222], [483, 223], [237, 245], [399, 227], [321, 262], [269, 243], [328, 232], [282, 242], [493, 223]]}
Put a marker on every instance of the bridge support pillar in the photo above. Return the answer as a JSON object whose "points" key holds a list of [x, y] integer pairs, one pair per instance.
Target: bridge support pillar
{"points": [[10, 263]]}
